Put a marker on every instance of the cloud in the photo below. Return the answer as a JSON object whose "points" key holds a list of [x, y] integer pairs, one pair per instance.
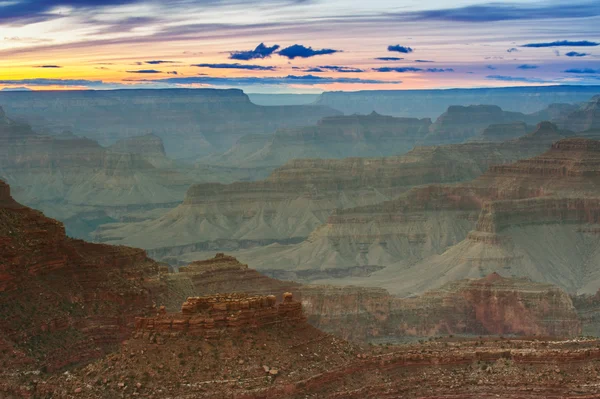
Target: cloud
{"points": [[412, 69], [49, 66], [53, 82], [423, 61], [261, 51], [342, 69], [145, 71], [493, 12], [389, 58], [173, 73], [562, 43], [400, 49], [583, 70], [517, 79], [298, 50], [305, 80], [512, 50], [576, 54], [158, 62], [398, 69], [493, 68], [527, 66], [236, 66], [437, 70]]}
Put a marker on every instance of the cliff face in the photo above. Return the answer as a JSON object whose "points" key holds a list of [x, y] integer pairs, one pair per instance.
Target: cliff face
{"points": [[66, 300], [503, 131], [190, 122], [490, 306]]}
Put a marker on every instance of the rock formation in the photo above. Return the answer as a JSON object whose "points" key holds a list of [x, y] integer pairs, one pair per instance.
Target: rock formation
{"points": [[216, 315], [503, 132], [299, 196]]}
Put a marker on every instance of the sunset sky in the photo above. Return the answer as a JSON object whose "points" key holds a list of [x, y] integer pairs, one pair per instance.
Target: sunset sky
{"points": [[297, 45]]}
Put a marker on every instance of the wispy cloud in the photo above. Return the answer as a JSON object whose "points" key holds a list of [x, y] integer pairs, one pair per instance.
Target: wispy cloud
{"points": [[236, 66], [158, 62], [562, 43], [494, 12], [145, 71], [300, 51], [512, 50], [305, 80], [389, 58], [49, 66], [400, 49], [398, 69], [261, 51]]}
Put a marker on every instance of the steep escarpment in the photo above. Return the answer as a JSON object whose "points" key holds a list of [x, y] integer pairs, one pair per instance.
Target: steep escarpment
{"points": [[191, 123], [65, 301], [503, 132]]}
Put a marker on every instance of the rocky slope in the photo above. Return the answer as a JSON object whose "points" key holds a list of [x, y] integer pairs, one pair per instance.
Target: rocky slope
{"points": [[299, 196], [503, 132], [65, 301], [191, 123]]}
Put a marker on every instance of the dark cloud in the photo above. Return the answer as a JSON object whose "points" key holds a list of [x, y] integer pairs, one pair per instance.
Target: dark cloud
{"points": [[236, 66], [342, 69], [308, 80], [437, 70], [527, 66], [313, 70], [493, 68], [389, 58], [583, 71], [423, 61], [398, 69], [49, 66], [493, 12], [145, 71], [576, 54], [563, 43], [261, 51], [517, 79], [400, 49], [298, 50], [512, 50], [158, 62]]}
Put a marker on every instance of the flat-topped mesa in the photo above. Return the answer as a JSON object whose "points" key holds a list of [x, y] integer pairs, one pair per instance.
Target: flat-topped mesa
{"points": [[220, 262], [212, 316], [503, 131]]}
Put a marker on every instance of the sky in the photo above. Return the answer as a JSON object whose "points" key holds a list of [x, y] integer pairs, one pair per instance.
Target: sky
{"points": [[297, 46]]}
